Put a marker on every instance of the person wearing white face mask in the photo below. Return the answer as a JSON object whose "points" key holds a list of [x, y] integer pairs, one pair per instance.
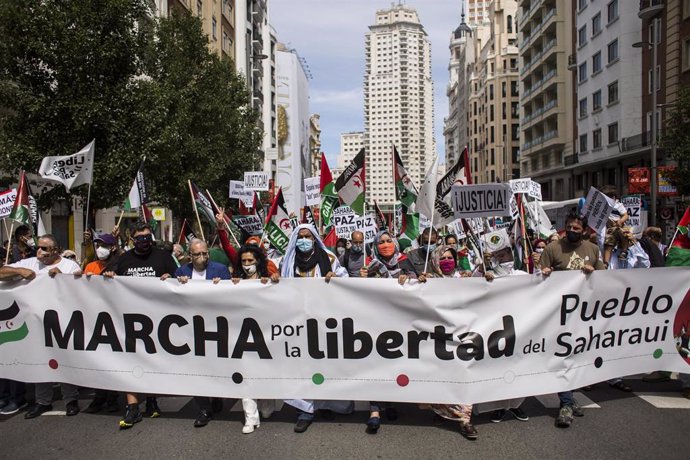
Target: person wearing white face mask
{"points": [[107, 253], [306, 256]]}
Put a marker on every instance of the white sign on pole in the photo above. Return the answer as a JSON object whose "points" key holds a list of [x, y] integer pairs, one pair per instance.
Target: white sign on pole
{"points": [[597, 209], [7, 199], [535, 190], [522, 185], [367, 225], [312, 191], [485, 200], [345, 221], [237, 191], [457, 228], [251, 224], [256, 181], [636, 215]]}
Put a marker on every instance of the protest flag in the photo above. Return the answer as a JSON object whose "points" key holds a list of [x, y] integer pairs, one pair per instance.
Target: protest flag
{"points": [[70, 170], [186, 233], [20, 210], [405, 191], [308, 216], [278, 227], [679, 250], [352, 183], [329, 197], [381, 222]]}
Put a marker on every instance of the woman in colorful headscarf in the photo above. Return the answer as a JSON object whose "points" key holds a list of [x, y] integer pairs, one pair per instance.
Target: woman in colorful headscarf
{"points": [[387, 261], [306, 256], [445, 263]]}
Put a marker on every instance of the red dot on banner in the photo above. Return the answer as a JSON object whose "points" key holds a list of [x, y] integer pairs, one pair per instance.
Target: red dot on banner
{"points": [[402, 380], [53, 364]]}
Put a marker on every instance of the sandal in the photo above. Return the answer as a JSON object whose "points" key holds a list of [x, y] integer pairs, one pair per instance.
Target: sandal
{"points": [[621, 386]]}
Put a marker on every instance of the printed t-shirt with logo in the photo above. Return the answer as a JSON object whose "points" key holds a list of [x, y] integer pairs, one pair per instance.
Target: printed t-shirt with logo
{"points": [[561, 255], [155, 264]]}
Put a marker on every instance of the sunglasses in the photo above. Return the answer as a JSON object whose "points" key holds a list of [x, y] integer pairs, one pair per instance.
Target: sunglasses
{"points": [[71, 257], [45, 248]]}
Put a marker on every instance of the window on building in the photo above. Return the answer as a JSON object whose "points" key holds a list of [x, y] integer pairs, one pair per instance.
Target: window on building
{"points": [[491, 92], [582, 72], [225, 41], [596, 24], [503, 89], [582, 36], [515, 132], [491, 113], [583, 107], [583, 143], [686, 54], [596, 139], [514, 109], [651, 33], [493, 137], [613, 92], [581, 4], [214, 26], [612, 11], [596, 100], [514, 88], [658, 79], [613, 51], [613, 133], [510, 24], [493, 156], [596, 62]]}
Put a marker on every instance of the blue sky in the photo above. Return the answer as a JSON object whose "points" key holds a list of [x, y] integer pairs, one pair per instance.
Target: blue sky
{"points": [[329, 34]]}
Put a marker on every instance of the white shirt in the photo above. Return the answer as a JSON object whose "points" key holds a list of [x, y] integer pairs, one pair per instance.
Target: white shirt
{"points": [[198, 275], [637, 258], [32, 263], [618, 211]]}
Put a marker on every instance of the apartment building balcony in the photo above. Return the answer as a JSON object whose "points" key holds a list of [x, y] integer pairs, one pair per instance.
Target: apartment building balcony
{"points": [[570, 160], [572, 62], [650, 8], [636, 142]]}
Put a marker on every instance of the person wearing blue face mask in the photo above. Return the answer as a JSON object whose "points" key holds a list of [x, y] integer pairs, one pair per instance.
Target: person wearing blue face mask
{"points": [[353, 259], [306, 256], [427, 243]]}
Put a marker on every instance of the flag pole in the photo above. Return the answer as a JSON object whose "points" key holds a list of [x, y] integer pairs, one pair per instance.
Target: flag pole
{"points": [[395, 190], [119, 221], [9, 242], [426, 261], [225, 221], [196, 211]]}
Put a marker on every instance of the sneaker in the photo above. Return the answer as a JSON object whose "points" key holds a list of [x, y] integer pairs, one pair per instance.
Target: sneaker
{"points": [[302, 425], [565, 416], [152, 409], [12, 408], [497, 415], [657, 377], [203, 419], [71, 408], [577, 410], [250, 427], [468, 430], [519, 414], [37, 410], [95, 406], [132, 416]]}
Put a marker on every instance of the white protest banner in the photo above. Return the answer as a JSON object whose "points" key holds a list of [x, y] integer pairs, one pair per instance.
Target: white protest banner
{"points": [[424, 222], [367, 225], [350, 339], [535, 190], [637, 218], [522, 185], [345, 221], [485, 200], [496, 240], [597, 209], [237, 191], [7, 199], [69, 170], [457, 228], [256, 181], [251, 224], [514, 210], [312, 191]]}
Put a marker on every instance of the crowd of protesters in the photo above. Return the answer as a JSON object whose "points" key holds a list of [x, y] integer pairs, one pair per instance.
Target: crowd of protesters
{"points": [[432, 256]]}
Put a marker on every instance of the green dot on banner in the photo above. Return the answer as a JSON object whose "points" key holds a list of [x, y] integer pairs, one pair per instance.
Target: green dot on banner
{"points": [[317, 378], [658, 353]]}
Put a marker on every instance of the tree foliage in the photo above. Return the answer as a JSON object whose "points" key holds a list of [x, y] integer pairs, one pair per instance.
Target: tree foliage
{"points": [[140, 85], [676, 140]]}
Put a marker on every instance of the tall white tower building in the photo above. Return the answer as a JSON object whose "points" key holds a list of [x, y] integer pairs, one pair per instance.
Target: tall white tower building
{"points": [[398, 101]]}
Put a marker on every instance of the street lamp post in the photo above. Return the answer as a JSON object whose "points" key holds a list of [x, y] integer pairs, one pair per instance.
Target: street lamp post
{"points": [[653, 142]]}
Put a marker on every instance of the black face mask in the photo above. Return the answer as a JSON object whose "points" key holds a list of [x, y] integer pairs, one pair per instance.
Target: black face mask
{"points": [[573, 237], [143, 244]]}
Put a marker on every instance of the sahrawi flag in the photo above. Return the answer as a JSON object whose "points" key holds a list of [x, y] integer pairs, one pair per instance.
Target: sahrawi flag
{"points": [[405, 191], [329, 197], [351, 184], [21, 211], [138, 194], [70, 170], [202, 203], [459, 174], [427, 194], [278, 227], [186, 233], [679, 252]]}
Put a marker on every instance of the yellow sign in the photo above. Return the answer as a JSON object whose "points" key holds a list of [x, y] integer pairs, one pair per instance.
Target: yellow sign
{"points": [[158, 213]]}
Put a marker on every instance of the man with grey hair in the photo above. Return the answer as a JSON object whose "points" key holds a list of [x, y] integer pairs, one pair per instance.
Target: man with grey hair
{"points": [[47, 262]]}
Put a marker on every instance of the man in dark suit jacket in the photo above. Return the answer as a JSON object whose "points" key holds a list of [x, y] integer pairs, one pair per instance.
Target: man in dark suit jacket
{"points": [[201, 267]]}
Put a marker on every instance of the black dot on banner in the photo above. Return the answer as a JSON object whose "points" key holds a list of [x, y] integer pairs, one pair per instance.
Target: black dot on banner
{"points": [[237, 377], [598, 363], [331, 323]]}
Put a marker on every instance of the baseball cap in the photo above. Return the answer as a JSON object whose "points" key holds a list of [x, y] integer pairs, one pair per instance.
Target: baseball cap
{"points": [[106, 238]]}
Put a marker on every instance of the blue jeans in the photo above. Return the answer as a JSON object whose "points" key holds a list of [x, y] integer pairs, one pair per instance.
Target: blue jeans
{"points": [[566, 398], [308, 416]]}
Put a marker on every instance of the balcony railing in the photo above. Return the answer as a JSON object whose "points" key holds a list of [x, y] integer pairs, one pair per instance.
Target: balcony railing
{"points": [[636, 142], [570, 160], [650, 8]]}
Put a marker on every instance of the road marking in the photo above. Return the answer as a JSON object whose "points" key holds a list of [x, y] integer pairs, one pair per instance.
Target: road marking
{"points": [[54, 412], [665, 400], [551, 401]]}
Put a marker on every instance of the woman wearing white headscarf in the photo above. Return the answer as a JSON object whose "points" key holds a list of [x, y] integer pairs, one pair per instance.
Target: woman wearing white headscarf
{"points": [[306, 256]]}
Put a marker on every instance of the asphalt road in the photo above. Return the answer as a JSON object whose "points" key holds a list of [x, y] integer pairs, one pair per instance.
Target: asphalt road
{"points": [[652, 422]]}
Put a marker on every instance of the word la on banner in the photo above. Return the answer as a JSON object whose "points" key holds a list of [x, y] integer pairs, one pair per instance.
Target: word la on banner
{"points": [[485, 200], [348, 339]]}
